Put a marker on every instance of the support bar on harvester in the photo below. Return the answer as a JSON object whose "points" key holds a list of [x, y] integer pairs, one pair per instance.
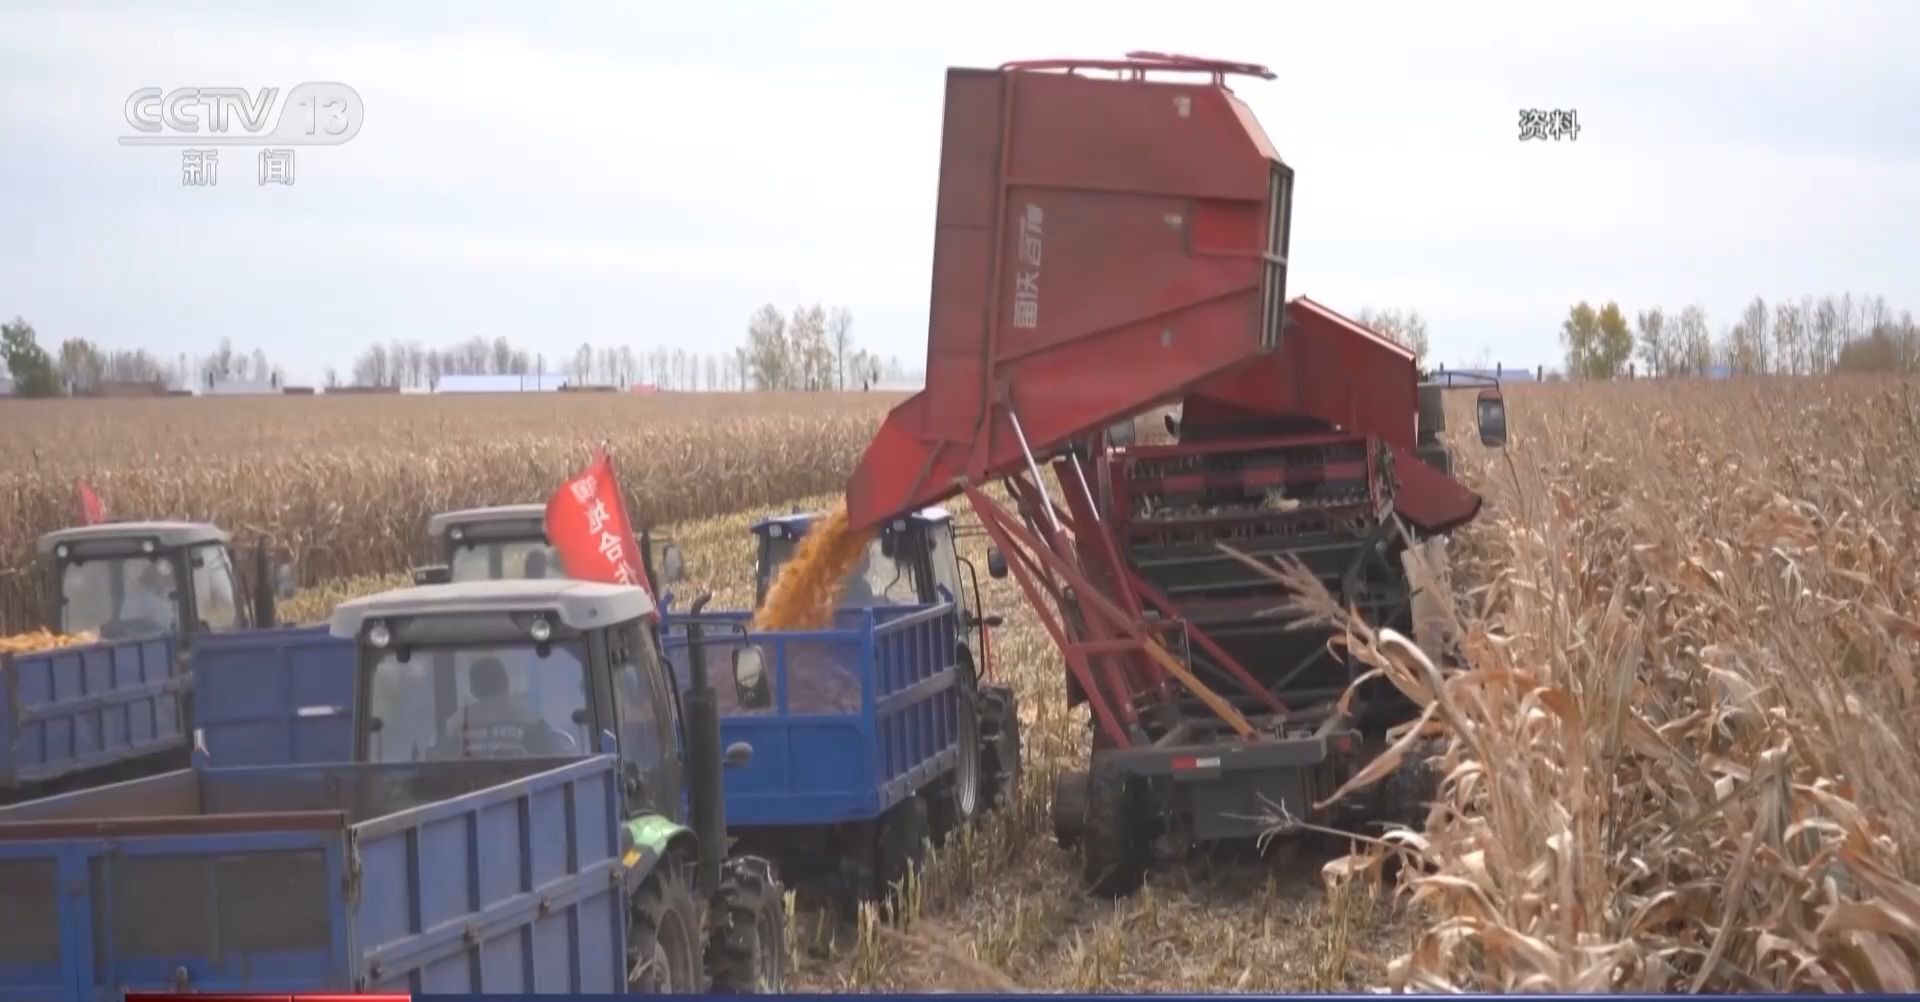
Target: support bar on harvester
{"points": [[1022, 547]]}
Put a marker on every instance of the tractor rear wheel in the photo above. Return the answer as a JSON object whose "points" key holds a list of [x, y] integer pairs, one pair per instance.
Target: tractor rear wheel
{"points": [[747, 951], [955, 801], [1000, 767], [663, 933], [901, 844], [1115, 849]]}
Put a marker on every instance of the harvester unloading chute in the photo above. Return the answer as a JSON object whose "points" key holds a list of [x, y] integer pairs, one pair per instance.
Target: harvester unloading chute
{"points": [[1100, 246]]}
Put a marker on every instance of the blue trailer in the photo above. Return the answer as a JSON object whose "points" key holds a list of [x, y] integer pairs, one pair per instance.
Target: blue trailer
{"points": [[864, 740], [95, 712], [163, 597], [105, 712], [274, 697], [502, 876], [873, 736]]}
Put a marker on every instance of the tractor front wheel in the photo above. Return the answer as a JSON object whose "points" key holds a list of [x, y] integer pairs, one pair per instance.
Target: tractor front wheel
{"points": [[747, 950], [663, 933]]}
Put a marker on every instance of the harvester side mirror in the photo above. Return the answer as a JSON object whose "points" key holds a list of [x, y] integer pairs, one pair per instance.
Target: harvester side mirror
{"points": [[1173, 424], [993, 620], [750, 679], [1492, 415], [996, 563], [432, 574], [673, 567], [737, 756]]}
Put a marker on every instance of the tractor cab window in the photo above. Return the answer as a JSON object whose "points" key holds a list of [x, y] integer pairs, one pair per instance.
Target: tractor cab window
{"points": [[644, 709], [530, 559], [213, 588], [509, 701], [115, 597], [946, 565], [877, 580]]}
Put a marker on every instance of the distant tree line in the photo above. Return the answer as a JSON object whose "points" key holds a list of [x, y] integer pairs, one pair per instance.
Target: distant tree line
{"points": [[811, 348], [1844, 333], [1408, 330], [79, 366]]}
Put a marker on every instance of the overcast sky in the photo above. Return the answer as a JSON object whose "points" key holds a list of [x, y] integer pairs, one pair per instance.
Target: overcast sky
{"points": [[648, 173]]}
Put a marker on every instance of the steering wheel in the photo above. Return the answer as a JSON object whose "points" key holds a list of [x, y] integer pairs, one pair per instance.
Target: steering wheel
{"points": [[571, 743]]}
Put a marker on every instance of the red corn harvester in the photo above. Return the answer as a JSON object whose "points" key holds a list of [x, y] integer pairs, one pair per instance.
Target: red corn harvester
{"points": [[1113, 236]]}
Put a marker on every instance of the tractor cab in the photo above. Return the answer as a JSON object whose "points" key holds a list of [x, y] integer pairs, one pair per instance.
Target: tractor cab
{"points": [[510, 542], [516, 669], [131, 579], [912, 560], [547, 668], [1490, 415]]}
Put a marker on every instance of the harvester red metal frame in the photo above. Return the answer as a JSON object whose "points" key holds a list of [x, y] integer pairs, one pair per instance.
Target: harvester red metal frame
{"points": [[1105, 246]]}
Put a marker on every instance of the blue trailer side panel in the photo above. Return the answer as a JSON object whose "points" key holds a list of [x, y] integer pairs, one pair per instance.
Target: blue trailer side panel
{"points": [[274, 697], [513, 889], [499, 877], [863, 715], [74, 709]]}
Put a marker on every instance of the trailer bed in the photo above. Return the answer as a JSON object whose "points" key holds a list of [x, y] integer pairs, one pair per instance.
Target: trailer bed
{"points": [[862, 716], [497, 876], [274, 697], [74, 712]]}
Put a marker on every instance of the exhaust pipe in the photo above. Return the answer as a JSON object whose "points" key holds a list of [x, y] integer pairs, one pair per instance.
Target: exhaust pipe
{"points": [[704, 760]]}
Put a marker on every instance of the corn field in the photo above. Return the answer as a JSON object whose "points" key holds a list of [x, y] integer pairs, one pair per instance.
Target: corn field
{"points": [[1680, 748], [1683, 752], [344, 486]]}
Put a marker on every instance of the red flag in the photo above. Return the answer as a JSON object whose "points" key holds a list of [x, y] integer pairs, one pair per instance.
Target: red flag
{"points": [[588, 525], [92, 511]]}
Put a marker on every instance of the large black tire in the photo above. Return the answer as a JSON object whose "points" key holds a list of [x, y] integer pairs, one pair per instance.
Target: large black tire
{"points": [[664, 933], [956, 799], [1069, 808], [747, 948], [1115, 848], [1000, 767], [900, 844]]}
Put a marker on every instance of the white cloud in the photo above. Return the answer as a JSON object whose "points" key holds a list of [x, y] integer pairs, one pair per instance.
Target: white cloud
{"points": [[704, 158]]}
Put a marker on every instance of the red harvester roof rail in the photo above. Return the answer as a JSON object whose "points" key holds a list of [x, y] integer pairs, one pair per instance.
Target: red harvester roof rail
{"points": [[1100, 245]]}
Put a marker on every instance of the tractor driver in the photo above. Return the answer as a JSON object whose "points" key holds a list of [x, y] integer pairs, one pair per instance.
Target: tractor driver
{"points": [[147, 601], [499, 724], [535, 566]]}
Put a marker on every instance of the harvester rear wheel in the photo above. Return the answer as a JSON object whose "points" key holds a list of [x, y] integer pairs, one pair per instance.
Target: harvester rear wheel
{"points": [[1115, 849], [747, 951], [1000, 767], [1069, 807]]}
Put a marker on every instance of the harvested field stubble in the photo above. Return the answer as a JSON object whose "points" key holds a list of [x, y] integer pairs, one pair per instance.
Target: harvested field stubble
{"points": [[1684, 755], [345, 485]]}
